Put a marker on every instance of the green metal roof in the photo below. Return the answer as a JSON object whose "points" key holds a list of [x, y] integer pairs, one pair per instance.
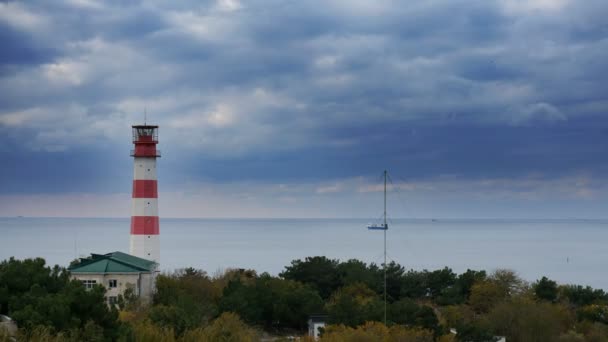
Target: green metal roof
{"points": [[116, 262]]}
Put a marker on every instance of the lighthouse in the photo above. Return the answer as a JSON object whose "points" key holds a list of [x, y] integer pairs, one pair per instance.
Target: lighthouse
{"points": [[145, 242]]}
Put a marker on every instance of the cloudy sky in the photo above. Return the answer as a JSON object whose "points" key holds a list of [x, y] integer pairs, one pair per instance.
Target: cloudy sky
{"points": [[285, 108]]}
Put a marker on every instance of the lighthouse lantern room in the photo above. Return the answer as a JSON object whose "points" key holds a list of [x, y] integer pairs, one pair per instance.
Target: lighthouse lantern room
{"points": [[145, 241]]}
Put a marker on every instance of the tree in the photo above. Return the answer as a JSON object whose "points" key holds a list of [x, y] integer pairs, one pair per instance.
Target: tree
{"points": [[407, 312], [522, 320], [147, 332], [394, 279], [184, 300], [375, 331], [545, 289], [594, 313], [294, 303], [466, 280], [353, 305], [229, 328], [36, 295], [319, 272], [509, 281], [272, 302], [251, 302], [439, 280], [414, 284], [355, 271], [485, 295], [579, 295], [172, 318]]}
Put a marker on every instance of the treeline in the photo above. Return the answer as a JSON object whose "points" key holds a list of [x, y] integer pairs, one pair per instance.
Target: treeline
{"points": [[242, 305]]}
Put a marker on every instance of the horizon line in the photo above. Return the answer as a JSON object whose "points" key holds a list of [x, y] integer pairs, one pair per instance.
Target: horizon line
{"points": [[318, 218]]}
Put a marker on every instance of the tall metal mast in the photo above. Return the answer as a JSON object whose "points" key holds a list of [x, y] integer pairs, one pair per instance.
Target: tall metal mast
{"points": [[385, 229]]}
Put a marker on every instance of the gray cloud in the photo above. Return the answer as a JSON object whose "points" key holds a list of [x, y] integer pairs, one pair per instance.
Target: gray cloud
{"points": [[306, 91]]}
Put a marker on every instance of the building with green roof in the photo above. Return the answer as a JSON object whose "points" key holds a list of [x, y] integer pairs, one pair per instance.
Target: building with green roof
{"points": [[117, 272]]}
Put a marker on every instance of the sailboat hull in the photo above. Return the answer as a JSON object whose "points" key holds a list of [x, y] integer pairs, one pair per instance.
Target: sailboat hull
{"points": [[378, 227]]}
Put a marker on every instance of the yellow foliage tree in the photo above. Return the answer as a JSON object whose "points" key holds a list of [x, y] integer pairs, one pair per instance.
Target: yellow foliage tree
{"points": [[375, 332], [147, 332], [226, 328], [485, 295]]}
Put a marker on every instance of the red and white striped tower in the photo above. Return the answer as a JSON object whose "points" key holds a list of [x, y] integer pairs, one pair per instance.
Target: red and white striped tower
{"points": [[145, 242]]}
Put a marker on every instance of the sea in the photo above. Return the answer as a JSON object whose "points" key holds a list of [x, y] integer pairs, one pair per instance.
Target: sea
{"points": [[568, 251]]}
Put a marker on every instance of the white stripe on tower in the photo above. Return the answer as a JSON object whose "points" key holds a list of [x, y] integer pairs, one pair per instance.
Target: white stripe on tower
{"points": [[145, 242]]}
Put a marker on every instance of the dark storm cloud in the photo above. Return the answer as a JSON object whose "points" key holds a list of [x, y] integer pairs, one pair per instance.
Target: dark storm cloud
{"points": [[18, 49], [305, 91]]}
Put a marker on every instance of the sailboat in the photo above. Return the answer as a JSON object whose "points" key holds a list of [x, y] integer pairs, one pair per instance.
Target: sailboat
{"points": [[376, 226]]}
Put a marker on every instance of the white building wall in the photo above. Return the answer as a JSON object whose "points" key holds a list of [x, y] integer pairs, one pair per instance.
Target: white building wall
{"points": [[142, 283]]}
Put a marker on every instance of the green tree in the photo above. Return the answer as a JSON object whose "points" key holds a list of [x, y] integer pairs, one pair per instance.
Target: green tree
{"points": [[440, 280], [319, 272], [580, 296], [394, 280], [294, 303], [184, 300], [407, 312], [272, 302], [545, 289], [355, 271], [36, 295], [594, 313], [172, 318], [466, 280], [414, 284], [253, 302]]}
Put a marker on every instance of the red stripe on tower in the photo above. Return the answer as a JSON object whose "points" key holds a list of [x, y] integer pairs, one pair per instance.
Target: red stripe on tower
{"points": [[144, 225], [143, 188], [145, 231]]}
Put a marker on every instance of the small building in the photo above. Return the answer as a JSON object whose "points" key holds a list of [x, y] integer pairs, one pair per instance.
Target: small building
{"points": [[8, 326], [316, 323], [117, 272]]}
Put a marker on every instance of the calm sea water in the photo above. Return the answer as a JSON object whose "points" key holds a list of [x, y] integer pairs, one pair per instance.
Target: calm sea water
{"points": [[569, 251]]}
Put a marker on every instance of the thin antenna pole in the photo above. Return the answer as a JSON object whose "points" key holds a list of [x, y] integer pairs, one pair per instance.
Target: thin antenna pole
{"points": [[76, 245], [145, 116], [385, 228]]}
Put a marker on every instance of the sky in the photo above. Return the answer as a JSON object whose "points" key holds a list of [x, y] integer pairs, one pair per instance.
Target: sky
{"points": [[283, 108]]}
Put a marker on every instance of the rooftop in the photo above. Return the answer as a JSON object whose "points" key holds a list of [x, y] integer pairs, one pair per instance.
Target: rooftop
{"points": [[115, 262]]}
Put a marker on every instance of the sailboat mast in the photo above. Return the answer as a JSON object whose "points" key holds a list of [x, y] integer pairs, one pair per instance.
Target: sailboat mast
{"points": [[385, 229]]}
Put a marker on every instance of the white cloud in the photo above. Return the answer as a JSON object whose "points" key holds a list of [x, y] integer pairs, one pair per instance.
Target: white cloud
{"points": [[66, 72], [20, 17], [527, 6], [353, 197], [329, 189], [539, 112], [229, 5], [88, 4]]}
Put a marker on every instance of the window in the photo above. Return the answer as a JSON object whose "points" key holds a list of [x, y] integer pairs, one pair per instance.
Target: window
{"points": [[89, 283], [112, 300], [112, 283]]}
